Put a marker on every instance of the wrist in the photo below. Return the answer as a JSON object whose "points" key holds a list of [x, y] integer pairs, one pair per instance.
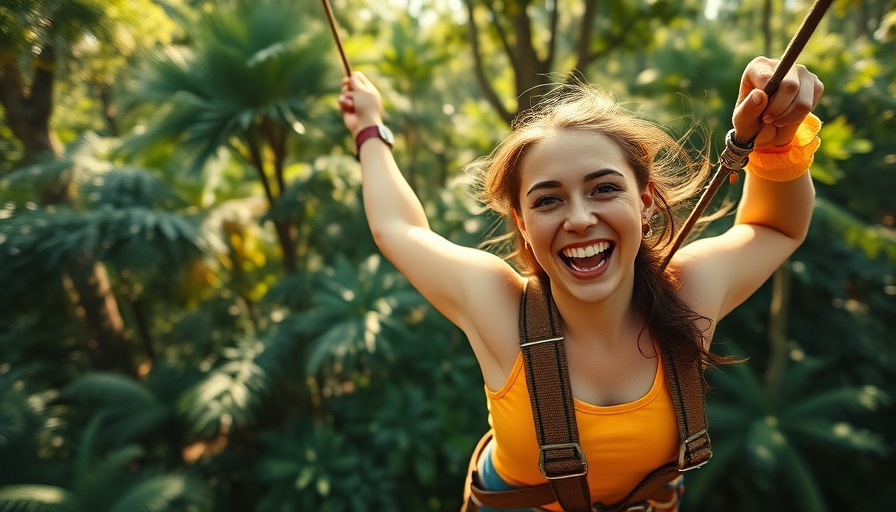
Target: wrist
{"points": [[790, 161], [365, 122]]}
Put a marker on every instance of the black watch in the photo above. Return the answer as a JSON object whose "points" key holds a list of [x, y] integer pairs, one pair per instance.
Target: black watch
{"points": [[376, 130]]}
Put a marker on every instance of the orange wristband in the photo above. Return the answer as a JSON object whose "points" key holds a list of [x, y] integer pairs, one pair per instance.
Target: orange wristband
{"points": [[788, 162]]}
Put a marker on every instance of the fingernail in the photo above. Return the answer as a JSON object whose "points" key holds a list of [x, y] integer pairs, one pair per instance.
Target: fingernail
{"points": [[754, 97], [768, 119]]}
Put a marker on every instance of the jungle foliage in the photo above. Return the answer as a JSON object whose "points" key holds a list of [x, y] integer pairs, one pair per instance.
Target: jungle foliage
{"points": [[194, 314]]}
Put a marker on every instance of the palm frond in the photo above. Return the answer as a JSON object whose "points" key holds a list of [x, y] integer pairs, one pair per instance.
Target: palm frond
{"points": [[133, 238], [729, 418], [98, 484], [36, 498], [25, 183], [131, 409], [800, 481], [739, 384], [315, 467], [247, 63], [162, 493], [112, 390], [724, 456], [764, 443], [85, 160], [356, 312], [127, 186], [88, 449], [291, 291], [838, 435], [231, 392], [843, 402]]}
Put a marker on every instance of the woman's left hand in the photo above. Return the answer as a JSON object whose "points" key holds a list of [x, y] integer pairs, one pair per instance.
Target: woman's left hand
{"points": [[780, 117]]}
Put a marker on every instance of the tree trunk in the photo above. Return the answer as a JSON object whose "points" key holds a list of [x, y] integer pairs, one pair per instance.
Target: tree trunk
{"points": [[284, 228], [29, 108], [96, 311], [531, 70], [103, 93]]}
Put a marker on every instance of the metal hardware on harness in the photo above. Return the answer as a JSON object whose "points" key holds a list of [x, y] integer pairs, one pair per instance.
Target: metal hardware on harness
{"points": [[562, 446], [539, 342], [641, 507], [703, 436]]}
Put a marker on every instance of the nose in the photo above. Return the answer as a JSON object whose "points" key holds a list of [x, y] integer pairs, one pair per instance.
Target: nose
{"points": [[580, 217]]}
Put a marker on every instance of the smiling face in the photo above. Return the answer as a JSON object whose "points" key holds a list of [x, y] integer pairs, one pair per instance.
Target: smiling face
{"points": [[581, 210]]}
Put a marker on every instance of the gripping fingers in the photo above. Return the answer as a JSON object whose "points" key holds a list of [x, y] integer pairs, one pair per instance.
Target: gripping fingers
{"points": [[797, 96]]}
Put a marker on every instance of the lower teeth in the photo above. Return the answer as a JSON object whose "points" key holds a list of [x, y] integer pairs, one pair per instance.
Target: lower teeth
{"points": [[580, 269]]}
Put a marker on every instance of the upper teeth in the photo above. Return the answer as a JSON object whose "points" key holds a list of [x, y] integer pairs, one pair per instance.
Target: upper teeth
{"points": [[585, 252]]}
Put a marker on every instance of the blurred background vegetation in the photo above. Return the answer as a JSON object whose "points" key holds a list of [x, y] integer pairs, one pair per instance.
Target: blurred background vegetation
{"points": [[194, 316]]}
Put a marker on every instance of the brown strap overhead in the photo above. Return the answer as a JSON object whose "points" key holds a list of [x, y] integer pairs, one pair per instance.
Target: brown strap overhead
{"points": [[562, 460]]}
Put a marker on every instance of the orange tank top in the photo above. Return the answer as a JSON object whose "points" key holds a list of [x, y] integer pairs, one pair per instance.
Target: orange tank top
{"points": [[622, 443]]}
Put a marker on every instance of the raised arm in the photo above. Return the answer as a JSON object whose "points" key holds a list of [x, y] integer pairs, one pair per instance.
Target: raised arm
{"points": [[390, 204], [458, 281], [773, 216]]}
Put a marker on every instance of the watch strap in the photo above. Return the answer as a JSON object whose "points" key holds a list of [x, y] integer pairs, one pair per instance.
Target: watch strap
{"points": [[368, 133]]}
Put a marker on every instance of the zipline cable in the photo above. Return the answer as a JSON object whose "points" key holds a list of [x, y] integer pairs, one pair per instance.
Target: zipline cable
{"points": [[329, 11], [734, 156]]}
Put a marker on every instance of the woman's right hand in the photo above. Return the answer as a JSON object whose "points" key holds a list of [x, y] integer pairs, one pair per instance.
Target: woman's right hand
{"points": [[360, 102]]}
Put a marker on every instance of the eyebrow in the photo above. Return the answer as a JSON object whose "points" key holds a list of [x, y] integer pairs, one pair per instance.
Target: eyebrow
{"points": [[588, 177]]}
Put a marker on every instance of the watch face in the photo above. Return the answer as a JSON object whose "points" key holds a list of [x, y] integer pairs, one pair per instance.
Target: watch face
{"points": [[386, 135]]}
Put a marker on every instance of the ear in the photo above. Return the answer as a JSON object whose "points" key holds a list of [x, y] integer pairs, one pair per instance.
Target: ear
{"points": [[647, 199], [519, 223]]}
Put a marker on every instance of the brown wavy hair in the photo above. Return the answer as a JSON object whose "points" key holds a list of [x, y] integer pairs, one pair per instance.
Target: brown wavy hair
{"points": [[654, 155]]}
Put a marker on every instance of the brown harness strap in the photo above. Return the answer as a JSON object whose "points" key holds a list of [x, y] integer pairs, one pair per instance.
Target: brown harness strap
{"points": [[561, 459]]}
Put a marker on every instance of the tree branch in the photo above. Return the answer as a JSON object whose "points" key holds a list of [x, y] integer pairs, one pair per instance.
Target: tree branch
{"points": [[490, 95], [613, 42], [552, 38], [502, 36], [586, 33], [258, 164]]}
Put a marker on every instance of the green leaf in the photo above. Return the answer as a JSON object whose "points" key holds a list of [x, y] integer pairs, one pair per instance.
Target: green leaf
{"points": [[162, 493], [36, 498]]}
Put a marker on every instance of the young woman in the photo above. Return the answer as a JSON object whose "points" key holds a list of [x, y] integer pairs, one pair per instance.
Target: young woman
{"points": [[590, 194]]}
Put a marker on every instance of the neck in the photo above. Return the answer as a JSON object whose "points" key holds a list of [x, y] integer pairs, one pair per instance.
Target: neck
{"points": [[608, 322]]}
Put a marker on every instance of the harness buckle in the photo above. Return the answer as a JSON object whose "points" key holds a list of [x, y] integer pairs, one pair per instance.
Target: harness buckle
{"points": [[695, 451], [577, 453]]}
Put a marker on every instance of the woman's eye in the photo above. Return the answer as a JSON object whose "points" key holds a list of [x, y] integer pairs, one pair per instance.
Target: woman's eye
{"points": [[605, 188], [545, 201]]}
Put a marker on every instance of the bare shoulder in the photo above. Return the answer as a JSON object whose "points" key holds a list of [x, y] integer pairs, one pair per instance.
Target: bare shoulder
{"points": [[718, 273], [491, 315], [476, 290]]}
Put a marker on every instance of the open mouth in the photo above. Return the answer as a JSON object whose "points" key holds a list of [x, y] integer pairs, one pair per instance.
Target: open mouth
{"points": [[590, 257]]}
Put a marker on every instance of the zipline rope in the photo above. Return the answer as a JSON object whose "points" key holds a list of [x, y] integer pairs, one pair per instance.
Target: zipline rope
{"points": [[329, 11], [731, 157]]}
